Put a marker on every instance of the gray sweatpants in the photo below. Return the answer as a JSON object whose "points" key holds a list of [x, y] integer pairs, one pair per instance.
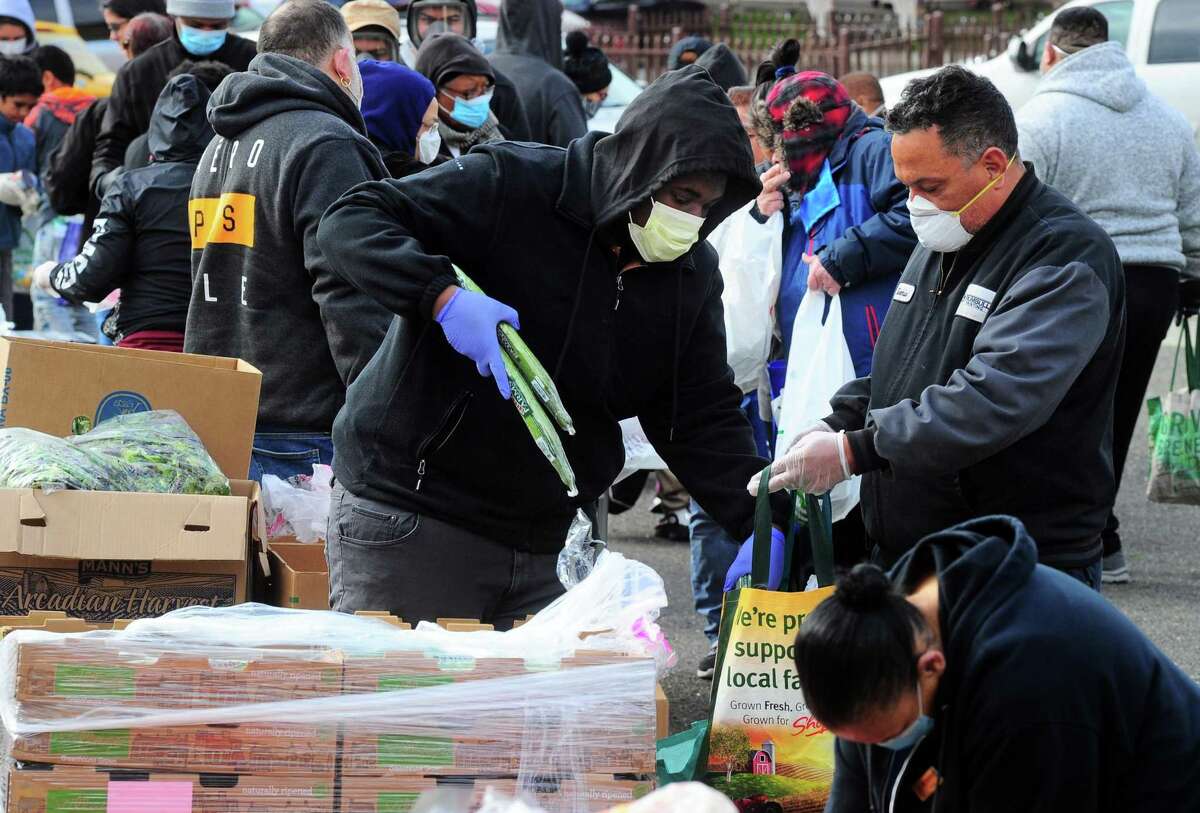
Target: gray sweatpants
{"points": [[418, 568]]}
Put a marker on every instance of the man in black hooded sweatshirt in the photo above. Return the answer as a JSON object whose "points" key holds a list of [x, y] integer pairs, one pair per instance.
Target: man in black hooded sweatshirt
{"points": [[529, 51], [290, 140], [438, 480]]}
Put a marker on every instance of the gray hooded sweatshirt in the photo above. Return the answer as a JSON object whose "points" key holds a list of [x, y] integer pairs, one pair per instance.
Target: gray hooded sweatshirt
{"points": [[1094, 132]]}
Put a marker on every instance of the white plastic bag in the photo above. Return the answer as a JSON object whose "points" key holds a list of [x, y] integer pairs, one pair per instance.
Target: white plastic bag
{"points": [[301, 510], [819, 364], [751, 256], [639, 452]]}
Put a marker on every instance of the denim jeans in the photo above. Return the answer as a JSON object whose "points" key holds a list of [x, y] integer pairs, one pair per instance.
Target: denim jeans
{"points": [[713, 551], [286, 454], [1090, 576]]}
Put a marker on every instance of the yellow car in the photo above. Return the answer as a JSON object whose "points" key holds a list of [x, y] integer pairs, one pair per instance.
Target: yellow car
{"points": [[91, 75]]}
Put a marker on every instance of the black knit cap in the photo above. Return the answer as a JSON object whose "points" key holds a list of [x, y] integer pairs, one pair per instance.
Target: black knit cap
{"points": [[586, 66]]}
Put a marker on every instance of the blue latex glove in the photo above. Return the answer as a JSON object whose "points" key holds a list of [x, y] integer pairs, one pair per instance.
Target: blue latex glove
{"points": [[469, 321], [744, 562]]}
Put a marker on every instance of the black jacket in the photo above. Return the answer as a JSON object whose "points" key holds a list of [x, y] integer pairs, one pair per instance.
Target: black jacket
{"points": [[421, 428], [136, 89], [996, 394], [66, 179], [529, 52], [289, 142], [1053, 701], [724, 66], [141, 243]]}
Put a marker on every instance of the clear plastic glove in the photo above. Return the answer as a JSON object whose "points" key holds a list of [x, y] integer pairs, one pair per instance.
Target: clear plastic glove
{"points": [[745, 561], [819, 426], [41, 275], [815, 464], [469, 321]]}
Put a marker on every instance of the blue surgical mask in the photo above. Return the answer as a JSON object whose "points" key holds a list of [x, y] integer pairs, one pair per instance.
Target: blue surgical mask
{"points": [[472, 113], [199, 42], [914, 733]]}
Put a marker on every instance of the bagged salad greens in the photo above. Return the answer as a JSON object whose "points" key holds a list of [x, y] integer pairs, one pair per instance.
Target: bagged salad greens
{"points": [[143, 451]]}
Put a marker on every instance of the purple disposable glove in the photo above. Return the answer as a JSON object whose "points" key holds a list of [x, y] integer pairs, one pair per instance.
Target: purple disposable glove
{"points": [[469, 321], [745, 559]]}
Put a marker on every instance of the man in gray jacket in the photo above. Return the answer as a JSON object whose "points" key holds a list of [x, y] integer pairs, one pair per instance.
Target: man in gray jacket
{"points": [[1127, 159]]}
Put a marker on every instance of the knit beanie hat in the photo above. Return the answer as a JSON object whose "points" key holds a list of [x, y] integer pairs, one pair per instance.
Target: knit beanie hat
{"points": [[811, 108], [204, 9], [586, 66]]}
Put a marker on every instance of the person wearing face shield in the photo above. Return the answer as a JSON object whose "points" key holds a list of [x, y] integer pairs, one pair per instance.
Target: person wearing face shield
{"points": [[375, 25], [401, 115], [201, 33], [428, 18], [465, 82], [597, 254], [289, 141], [972, 677], [588, 68], [992, 384]]}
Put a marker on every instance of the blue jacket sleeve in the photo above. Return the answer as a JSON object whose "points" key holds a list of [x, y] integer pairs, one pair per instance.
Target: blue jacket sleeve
{"points": [[879, 246]]}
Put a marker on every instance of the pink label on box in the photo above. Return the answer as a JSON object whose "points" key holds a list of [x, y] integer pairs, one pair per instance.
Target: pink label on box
{"points": [[149, 797]]}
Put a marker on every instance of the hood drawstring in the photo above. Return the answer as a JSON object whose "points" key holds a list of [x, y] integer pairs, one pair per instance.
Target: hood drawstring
{"points": [[675, 355], [587, 255]]}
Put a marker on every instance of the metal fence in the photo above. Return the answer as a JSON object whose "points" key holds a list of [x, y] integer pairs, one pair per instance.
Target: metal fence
{"points": [[640, 43]]}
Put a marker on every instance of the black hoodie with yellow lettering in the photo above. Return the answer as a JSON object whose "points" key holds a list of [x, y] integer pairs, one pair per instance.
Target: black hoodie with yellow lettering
{"points": [[289, 143], [533, 226]]}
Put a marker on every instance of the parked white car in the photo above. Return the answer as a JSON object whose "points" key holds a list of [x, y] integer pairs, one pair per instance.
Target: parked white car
{"points": [[1161, 37]]}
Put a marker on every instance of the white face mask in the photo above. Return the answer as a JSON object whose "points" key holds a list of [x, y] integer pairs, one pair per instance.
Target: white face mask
{"points": [[667, 235], [428, 145], [943, 231], [12, 47]]}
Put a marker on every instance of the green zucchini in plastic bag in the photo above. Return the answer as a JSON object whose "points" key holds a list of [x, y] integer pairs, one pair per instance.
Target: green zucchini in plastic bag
{"points": [[535, 374], [540, 426]]}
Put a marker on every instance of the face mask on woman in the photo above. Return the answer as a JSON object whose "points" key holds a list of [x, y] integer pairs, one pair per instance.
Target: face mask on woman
{"points": [[667, 235], [428, 145], [200, 41], [592, 106], [13, 47], [472, 113]]}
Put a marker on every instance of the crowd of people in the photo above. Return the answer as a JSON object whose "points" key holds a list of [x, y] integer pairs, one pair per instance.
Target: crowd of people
{"points": [[303, 202]]}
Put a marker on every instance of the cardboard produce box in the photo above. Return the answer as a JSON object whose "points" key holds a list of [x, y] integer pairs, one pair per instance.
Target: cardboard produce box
{"points": [[47, 385], [58, 789], [64, 678], [259, 749], [107, 555], [398, 794], [300, 575]]}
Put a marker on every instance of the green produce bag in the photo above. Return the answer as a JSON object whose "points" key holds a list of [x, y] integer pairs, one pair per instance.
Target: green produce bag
{"points": [[678, 756], [1175, 432], [763, 742]]}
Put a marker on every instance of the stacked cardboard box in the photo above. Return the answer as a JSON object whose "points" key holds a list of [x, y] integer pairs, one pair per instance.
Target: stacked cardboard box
{"points": [[314, 730]]}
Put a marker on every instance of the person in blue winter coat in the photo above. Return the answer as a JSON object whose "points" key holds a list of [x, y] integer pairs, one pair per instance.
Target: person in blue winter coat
{"points": [[20, 87], [846, 227], [846, 223]]}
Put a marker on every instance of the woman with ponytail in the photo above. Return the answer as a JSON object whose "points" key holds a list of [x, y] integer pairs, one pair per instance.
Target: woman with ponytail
{"points": [[972, 678]]}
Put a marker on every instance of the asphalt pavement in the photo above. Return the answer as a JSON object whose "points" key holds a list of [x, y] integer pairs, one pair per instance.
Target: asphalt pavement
{"points": [[1162, 544]]}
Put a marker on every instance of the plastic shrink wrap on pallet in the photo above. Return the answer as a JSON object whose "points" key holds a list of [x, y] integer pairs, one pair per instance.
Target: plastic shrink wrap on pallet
{"points": [[255, 708]]}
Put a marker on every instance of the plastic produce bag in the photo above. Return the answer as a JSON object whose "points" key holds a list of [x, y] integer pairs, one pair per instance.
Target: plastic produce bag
{"points": [[298, 509], [578, 556], [30, 459], [751, 258], [154, 451], [818, 365], [144, 451]]}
